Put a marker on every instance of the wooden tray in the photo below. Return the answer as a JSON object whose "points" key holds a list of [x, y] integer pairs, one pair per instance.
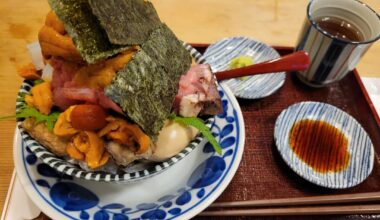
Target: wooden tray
{"points": [[262, 173]]}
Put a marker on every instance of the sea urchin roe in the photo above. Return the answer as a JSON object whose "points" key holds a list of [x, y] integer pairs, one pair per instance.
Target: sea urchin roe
{"points": [[124, 133], [54, 41], [100, 74], [53, 21], [55, 44], [89, 147], [28, 72], [320, 145], [73, 152], [63, 127], [41, 98]]}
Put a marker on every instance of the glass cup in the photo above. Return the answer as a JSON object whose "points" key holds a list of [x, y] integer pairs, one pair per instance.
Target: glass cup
{"points": [[336, 34]]}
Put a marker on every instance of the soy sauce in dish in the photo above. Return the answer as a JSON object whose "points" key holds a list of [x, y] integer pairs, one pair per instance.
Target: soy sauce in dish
{"points": [[340, 28], [320, 145]]}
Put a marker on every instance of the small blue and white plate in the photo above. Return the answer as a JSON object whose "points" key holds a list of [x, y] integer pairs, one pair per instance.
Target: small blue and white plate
{"points": [[181, 192], [220, 54], [359, 146]]}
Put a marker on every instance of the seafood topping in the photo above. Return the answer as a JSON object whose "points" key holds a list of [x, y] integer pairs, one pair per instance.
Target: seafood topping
{"points": [[197, 93]]}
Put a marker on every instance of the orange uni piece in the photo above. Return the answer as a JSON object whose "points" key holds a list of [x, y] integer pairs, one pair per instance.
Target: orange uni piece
{"points": [[62, 127], [42, 97], [91, 146], [28, 72], [100, 75], [127, 134]]}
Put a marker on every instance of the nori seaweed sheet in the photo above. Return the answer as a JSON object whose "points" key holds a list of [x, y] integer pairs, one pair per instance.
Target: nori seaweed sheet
{"points": [[145, 88], [84, 28], [126, 22]]}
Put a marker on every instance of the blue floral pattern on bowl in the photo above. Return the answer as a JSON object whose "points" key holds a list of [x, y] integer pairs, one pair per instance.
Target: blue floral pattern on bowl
{"points": [[199, 179]]}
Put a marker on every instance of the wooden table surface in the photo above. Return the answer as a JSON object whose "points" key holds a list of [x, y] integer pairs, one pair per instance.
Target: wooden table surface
{"points": [[275, 22]]}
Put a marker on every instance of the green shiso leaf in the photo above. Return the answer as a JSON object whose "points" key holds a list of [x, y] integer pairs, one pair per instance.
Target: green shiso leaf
{"points": [[200, 125], [37, 81], [138, 18], [84, 28], [145, 88], [27, 112]]}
